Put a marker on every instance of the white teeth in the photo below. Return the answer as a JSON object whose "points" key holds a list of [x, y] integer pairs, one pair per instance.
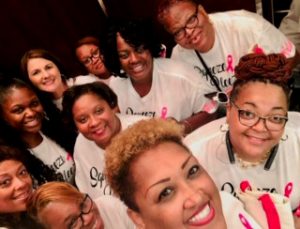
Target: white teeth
{"points": [[138, 68], [201, 215]]}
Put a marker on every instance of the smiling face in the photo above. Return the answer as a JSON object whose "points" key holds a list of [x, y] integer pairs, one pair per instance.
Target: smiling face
{"points": [[15, 186], [179, 194], [45, 75], [89, 55], [136, 62], [95, 119], [251, 143], [61, 215], [201, 36], [22, 110]]}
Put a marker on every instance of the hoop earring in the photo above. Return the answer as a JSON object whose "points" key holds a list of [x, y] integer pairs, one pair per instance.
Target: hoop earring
{"points": [[224, 127], [46, 116], [286, 137]]}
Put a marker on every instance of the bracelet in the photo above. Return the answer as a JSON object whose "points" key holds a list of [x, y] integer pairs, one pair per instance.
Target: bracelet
{"points": [[187, 126]]}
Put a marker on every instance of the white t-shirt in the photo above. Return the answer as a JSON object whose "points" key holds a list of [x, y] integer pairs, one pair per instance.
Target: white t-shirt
{"points": [[232, 207], [176, 92], [237, 33], [78, 80], [56, 157], [89, 161], [208, 144], [113, 213]]}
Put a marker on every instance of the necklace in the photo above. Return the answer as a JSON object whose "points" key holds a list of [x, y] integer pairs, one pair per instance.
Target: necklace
{"points": [[247, 164]]}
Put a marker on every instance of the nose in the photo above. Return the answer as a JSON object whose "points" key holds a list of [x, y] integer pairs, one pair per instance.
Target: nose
{"points": [[29, 112], [192, 197], [46, 74], [133, 57], [19, 183], [189, 31], [87, 219], [93, 121], [260, 125]]}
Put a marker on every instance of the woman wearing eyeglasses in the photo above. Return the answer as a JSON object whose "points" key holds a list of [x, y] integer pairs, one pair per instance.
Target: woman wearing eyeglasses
{"points": [[256, 145], [60, 205], [219, 39], [44, 71], [89, 54]]}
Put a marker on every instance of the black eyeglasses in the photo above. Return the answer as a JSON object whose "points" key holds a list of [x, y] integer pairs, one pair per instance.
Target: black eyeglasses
{"points": [[191, 23], [271, 122], [94, 54], [86, 207]]}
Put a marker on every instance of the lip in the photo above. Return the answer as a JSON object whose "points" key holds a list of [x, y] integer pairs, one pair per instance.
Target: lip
{"points": [[32, 122], [204, 215], [255, 140], [137, 68], [22, 196], [48, 82]]}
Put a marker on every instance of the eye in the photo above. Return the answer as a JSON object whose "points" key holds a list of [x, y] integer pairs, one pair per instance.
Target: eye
{"points": [[82, 119], [18, 110], [123, 55], [194, 171], [247, 114], [99, 110], [5, 183], [49, 66], [277, 119], [140, 49], [35, 103], [23, 172], [165, 194], [179, 33], [36, 72]]}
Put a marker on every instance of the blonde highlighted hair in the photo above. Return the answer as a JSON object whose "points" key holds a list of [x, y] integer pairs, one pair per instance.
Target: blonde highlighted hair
{"points": [[52, 192], [129, 145]]}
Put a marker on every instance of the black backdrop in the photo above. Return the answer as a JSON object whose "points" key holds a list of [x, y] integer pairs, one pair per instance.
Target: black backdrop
{"points": [[56, 25]]}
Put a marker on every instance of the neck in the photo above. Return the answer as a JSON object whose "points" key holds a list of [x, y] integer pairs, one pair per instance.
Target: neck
{"points": [[32, 140], [104, 75], [142, 88], [60, 91]]}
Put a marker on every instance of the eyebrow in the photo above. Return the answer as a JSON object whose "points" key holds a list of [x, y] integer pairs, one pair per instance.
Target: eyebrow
{"points": [[273, 108], [168, 178]]}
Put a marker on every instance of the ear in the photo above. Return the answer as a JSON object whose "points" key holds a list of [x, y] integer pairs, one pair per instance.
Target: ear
{"points": [[202, 11], [136, 218], [228, 109], [116, 109]]}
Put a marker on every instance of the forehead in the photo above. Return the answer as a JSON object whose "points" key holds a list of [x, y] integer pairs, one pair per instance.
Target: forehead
{"points": [[37, 62], [9, 166], [56, 213], [256, 92], [15, 95], [178, 13], [87, 101], [168, 156], [85, 49]]}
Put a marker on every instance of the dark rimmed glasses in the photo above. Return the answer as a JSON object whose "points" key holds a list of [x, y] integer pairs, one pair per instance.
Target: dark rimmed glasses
{"points": [[94, 54], [271, 122], [86, 207], [191, 23]]}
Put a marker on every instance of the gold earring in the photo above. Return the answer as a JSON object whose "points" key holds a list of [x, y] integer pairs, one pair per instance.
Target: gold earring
{"points": [[224, 127], [286, 137]]}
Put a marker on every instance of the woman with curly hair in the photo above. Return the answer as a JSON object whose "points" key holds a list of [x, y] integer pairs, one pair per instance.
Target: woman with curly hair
{"points": [[163, 184], [254, 144], [151, 84], [20, 172]]}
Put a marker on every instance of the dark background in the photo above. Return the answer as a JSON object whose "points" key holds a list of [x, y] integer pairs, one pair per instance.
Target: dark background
{"points": [[56, 25]]}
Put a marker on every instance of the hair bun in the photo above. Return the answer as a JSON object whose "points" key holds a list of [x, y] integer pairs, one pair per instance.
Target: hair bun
{"points": [[273, 66]]}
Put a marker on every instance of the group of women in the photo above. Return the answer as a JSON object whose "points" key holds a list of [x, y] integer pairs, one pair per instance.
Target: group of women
{"points": [[134, 128]]}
